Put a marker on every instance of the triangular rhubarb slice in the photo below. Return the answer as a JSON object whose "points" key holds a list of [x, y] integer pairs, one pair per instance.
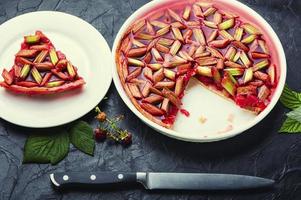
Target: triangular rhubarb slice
{"points": [[40, 69]]}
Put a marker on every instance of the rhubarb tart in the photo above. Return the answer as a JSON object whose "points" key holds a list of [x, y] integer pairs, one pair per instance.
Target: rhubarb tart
{"points": [[40, 69], [170, 44]]}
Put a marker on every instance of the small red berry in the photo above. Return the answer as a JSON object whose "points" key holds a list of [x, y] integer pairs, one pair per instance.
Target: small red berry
{"points": [[100, 134], [127, 140]]}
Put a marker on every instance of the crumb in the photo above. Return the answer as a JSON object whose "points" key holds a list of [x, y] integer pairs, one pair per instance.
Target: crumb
{"points": [[203, 119], [230, 118], [228, 128]]}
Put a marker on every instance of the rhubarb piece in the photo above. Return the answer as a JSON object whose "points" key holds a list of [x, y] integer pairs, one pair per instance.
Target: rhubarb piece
{"points": [[261, 76], [238, 34], [17, 71], [60, 75], [152, 109], [46, 78], [228, 84], [53, 56], [203, 61], [144, 36], [272, 74], [165, 84], [175, 47], [158, 75], [220, 64], [245, 59], [210, 24], [258, 55], [171, 96], [169, 74], [36, 75], [163, 31], [204, 71], [263, 93], [71, 70], [219, 43], [31, 39], [185, 56], [209, 11], [146, 89], [217, 18], [28, 53], [165, 41], [216, 75], [135, 62], [150, 28], [226, 35], [54, 84], [237, 56], [231, 52], [39, 47], [235, 71], [177, 34], [155, 66], [27, 84], [23, 61], [174, 15], [212, 36], [256, 83], [147, 58], [25, 71], [260, 65], [240, 45], [148, 73], [263, 46], [215, 52], [134, 90], [8, 77], [137, 52], [197, 10], [250, 29], [199, 36], [153, 99], [186, 13], [156, 54], [179, 85], [233, 64], [134, 74], [249, 39], [165, 104], [227, 24], [162, 48], [137, 43], [178, 25], [248, 76], [247, 90], [45, 66], [138, 26], [41, 56]]}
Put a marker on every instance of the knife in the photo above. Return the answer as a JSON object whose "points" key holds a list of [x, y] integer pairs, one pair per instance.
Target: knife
{"points": [[169, 181]]}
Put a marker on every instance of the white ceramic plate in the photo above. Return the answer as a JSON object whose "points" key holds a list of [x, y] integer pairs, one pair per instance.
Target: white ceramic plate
{"points": [[223, 118], [83, 45]]}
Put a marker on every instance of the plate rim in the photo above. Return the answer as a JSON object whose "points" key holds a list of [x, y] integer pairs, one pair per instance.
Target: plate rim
{"points": [[107, 83]]}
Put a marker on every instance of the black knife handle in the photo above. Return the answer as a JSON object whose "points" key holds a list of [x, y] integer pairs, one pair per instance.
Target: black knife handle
{"points": [[92, 178]]}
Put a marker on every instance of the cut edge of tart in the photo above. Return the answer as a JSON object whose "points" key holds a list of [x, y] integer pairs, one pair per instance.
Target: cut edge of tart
{"points": [[160, 52], [40, 69]]}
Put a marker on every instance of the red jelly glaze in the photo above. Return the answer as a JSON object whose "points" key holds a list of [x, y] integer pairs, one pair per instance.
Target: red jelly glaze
{"points": [[185, 112]]}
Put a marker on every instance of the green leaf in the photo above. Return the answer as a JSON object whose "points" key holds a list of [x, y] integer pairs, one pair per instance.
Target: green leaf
{"points": [[290, 126], [81, 136], [290, 98], [46, 148], [295, 114]]}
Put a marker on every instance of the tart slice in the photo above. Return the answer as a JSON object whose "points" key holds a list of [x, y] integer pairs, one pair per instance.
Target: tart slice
{"points": [[40, 69], [163, 50]]}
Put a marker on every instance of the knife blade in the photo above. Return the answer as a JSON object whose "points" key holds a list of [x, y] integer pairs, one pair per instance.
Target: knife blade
{"points": [[161, 180]]}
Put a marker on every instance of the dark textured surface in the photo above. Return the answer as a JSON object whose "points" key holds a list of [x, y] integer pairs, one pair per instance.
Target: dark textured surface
{"points": [[260, 151]]}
